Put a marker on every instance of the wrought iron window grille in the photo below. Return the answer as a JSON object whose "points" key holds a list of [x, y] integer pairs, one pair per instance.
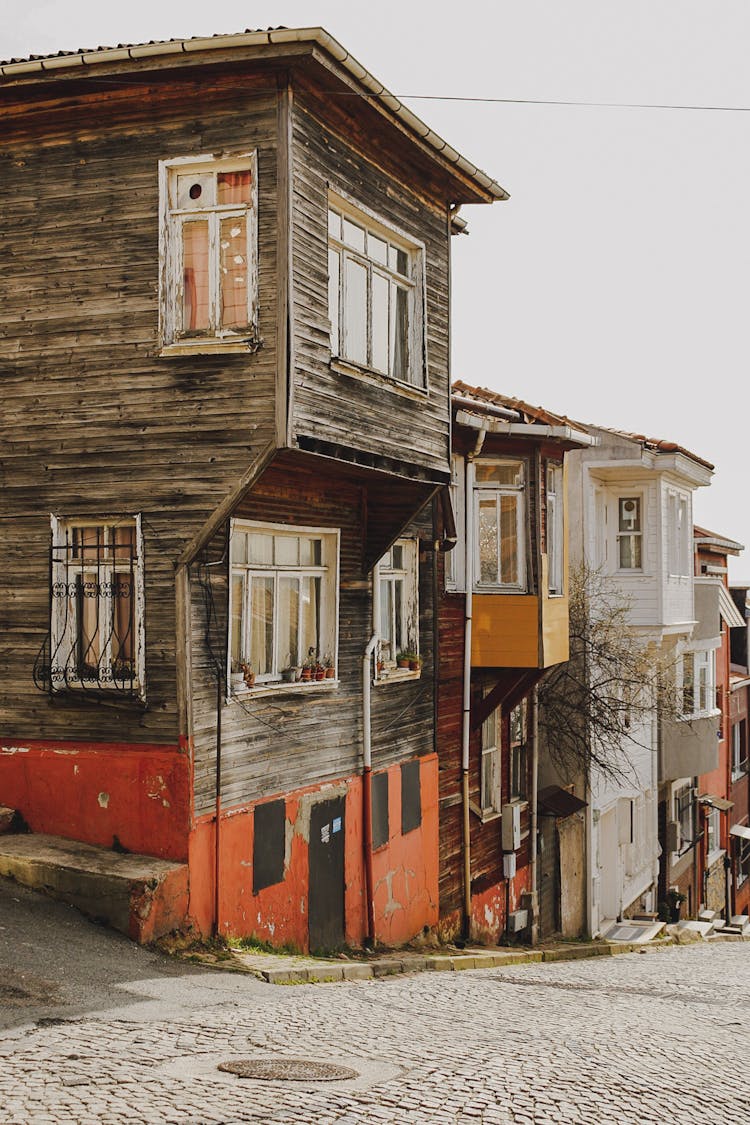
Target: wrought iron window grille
{"points": [[93, 640]]}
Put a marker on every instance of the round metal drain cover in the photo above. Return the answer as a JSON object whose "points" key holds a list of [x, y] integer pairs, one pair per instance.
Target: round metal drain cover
{"points": [[287, 1070]]}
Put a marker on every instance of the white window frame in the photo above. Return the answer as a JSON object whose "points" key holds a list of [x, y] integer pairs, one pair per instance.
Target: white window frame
{"points": [[173, 340], [455, 560], [684, 793], [412, 282], [700, 681], [64, 631], [386, 575], [739, 763], [743, 861], [490, 795], [484, 490], [678, 534], [328, 571], [518, 752], [713, 835], [619, 535], [555, 530]]}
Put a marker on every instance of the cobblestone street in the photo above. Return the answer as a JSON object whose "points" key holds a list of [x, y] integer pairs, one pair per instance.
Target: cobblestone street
{"points": [[640, 1038]]}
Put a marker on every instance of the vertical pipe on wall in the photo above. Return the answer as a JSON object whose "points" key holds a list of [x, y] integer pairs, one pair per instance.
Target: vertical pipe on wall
{"points": [[367, 760], [469, 477], [533, 826]]}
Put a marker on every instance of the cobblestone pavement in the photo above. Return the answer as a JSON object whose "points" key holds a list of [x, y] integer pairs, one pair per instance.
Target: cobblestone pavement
{"points": [[636, 1039]]}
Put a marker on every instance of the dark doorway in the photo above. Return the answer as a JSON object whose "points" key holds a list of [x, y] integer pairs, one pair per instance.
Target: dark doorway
{"points": [[326, 893], [549, 877]]}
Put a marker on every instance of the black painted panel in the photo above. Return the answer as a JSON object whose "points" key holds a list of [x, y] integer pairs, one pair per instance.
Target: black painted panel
{"points": [[268, 844], [379, 809], [411, 800]]}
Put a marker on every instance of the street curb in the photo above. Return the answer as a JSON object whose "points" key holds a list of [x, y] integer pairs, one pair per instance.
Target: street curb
{"points": [[313, 971]]}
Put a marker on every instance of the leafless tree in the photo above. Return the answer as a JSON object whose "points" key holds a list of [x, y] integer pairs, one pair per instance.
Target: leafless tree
{"points": [[599, 705]]}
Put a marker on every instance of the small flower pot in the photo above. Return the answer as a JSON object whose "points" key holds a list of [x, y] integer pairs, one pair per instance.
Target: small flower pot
{"points": [[402, 663], [330, 673], [415, 665], [320, 674], [307, 675]]}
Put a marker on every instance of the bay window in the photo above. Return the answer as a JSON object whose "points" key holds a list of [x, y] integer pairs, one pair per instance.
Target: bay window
{"points": [[697, 686], [555, 554], [375, 294], [283, 599], [490, 798], [500, 520]]}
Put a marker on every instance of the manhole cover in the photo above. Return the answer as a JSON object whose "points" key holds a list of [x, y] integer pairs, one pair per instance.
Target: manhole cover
{"points": [[287, 1070]]}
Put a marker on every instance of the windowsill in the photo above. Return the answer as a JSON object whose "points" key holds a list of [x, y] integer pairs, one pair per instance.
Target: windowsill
{"points": [[495, 589], [377, 378], [739, 775], [397, 676], [209, 346], [522, 802], [130, 694], [486, 816], [714, 857], [281, 686], [714, 714]]}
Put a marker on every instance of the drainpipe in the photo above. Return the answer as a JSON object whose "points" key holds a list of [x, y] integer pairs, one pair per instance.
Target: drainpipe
{"points": [[466, 727], [367, 765], [533, 813]]}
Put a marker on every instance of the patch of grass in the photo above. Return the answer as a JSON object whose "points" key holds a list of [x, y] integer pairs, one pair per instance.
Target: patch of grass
{"points": [[253, 944]]}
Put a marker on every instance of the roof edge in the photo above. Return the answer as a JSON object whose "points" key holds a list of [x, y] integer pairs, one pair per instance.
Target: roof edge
{"points": [[316, 35]]}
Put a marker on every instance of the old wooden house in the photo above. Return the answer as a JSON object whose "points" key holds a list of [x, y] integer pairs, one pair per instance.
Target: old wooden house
{"points": [[503, 616], [224, 346]]}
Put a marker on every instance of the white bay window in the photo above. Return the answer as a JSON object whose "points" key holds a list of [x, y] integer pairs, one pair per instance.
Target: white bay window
{"points": [[397, 579]]}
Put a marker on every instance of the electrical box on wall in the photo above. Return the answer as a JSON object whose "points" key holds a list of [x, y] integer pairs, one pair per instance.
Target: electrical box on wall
{"points": [[511, 828]]}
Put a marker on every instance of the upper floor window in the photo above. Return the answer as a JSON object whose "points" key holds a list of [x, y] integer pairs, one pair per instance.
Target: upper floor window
{"points": [[519, 751], [684, 814], [283, 603], [629, 533], [499, 497], [490, 799], [397, 576], [375, 295], [208, 252], [698, 684], [97, 605], [679, 531], [739, 748], [555, 555]]}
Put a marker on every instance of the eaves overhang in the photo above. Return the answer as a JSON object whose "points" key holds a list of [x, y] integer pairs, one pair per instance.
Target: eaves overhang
{"points": [[44, 67], [532, 431]]}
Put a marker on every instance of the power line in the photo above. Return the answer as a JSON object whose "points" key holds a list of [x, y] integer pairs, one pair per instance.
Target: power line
{"points": [[552, 101]]}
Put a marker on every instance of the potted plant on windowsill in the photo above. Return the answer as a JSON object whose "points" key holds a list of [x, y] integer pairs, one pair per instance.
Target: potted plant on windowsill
{"points": [[402, 659], [248, 673], [308, 667], [291, 673], [330, 670]]}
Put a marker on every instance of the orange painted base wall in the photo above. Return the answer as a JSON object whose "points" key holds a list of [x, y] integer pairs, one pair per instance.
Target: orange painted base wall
{"points": [[96, 791], [488, 910], [405, 869]]}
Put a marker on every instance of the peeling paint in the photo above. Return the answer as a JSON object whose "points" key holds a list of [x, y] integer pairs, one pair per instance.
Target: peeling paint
{"points": [[103, 800], [14, 750]]}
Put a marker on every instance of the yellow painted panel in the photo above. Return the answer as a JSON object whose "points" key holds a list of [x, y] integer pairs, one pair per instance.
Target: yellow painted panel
{"points": [[505, 631], [555, 630]]}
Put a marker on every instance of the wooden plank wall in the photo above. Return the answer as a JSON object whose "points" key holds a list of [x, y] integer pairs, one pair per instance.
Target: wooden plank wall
{"points": [[328, 404], [486, 845], [94, 422], [278, 743]]}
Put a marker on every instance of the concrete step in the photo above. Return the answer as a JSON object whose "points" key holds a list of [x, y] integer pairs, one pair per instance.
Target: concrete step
{"points": [[9, 820], [139, 895]]}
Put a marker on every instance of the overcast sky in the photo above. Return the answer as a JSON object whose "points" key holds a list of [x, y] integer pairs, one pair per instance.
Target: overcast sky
{"points": [[613, 286]]}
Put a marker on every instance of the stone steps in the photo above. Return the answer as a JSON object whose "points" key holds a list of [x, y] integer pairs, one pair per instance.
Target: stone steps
{"points": [[139, 895]]}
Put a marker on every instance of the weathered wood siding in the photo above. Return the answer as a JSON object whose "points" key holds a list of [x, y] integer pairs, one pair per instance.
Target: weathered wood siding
{"points": [[94, 423], [280, 742], [364, 413]]}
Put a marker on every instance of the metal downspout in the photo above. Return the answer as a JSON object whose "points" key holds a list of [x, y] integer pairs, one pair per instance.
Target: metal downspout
{"points": [[367, 765], [466, 725], [534, 813]]}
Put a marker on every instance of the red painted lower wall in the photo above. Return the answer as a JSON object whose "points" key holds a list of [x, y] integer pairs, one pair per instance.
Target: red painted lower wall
{"points": [[95, 792], [405, 869]]}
